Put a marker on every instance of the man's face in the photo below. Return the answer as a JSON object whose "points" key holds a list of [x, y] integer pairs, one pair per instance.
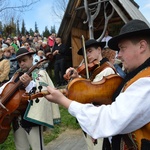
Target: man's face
{"points": [[129, 54], [58, 40], [25, 62], [93, 53]]}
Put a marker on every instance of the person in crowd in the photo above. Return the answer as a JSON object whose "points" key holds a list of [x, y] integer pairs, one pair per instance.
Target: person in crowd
{"points": [[4, 68], [111, 55], [33, 115], [13, 65], [13, 53], [41, 54], [5, 45], [16, 41], [30, 39], [45, 47], [51, 40], [58, 52], [94, 53], [106, 38], [27, 45], [23, 41], [36, 58], [126, 121], [35, 39], [39, 45], [10, 41]]}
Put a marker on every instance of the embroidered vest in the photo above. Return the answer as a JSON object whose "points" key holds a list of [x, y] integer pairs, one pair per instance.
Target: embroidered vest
{"points": [[143, 133]]}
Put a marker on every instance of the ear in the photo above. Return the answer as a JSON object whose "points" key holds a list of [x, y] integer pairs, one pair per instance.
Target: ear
{"points": [[99, 49], [143, 45]]}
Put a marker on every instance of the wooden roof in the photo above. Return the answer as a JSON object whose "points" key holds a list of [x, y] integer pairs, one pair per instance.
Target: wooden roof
{"points": [[75, 15], [72, 26]]}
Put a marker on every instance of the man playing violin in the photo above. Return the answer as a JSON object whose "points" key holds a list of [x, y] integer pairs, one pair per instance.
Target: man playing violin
{"points": [[32, 115], [94, 54], [127, 119]]}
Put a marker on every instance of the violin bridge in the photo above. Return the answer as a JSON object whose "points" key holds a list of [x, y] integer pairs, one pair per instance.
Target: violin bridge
{"points": [[3, 106]]}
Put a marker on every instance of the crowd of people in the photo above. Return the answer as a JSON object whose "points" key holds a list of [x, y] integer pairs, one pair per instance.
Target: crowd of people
{"points": [[43, 47]]}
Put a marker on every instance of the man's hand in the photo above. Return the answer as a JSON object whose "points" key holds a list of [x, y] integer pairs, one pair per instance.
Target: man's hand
{"points": [[25, 79], [57, 97], [74, 73], [56, 52]]}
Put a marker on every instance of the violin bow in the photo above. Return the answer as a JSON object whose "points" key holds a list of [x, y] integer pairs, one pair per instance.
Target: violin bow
{"points": [[85, 57]]}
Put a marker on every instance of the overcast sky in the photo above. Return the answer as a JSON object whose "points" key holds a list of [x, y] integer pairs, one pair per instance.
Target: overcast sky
{"points": [[41, 13]]}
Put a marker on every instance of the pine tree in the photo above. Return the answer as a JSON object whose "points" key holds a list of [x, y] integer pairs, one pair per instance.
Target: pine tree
{"points": [[18, 29], [23, 29], [36, 28], [46, 33]]}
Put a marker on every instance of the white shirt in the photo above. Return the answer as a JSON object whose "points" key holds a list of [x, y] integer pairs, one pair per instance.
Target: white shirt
{"points": [[129, 112]]}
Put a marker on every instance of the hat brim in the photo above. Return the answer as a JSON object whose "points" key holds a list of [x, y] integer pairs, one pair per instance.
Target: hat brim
{"points": [[100, 44], [17, 57], [113, 42]]}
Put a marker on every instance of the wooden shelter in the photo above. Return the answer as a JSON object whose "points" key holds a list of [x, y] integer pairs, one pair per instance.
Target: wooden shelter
{"points": [[73, 27]]}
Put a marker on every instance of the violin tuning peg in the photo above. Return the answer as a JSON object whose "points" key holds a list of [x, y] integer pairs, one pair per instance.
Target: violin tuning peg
{"points": [[37, 100], [40, 88]]}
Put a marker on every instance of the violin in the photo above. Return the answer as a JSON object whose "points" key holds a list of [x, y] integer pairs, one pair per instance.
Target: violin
{"points": [[11, 103], [82, 69], [84, 91], [91, 66]]}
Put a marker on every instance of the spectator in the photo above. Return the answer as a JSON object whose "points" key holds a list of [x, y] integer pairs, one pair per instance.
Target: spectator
{"points": [[23, 40], [45, 47], [13, 65], [10, 41], [36, 58], [59, 61], [106, 38], [111, 56], [41, 54], [4, 68], [51, 40], [16, 41]]}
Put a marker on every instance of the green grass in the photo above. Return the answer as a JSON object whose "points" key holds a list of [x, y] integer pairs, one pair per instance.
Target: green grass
{"points": [[67, 121]]}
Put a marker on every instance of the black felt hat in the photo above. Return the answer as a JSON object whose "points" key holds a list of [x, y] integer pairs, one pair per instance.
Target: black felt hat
{"points": [[132, 28], [22, 52], [90, 43]]}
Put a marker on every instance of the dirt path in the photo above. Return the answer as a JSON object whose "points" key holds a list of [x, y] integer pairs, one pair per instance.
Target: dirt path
{"points": [[68, 140]]}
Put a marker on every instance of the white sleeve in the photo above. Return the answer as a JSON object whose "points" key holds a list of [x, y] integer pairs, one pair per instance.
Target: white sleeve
{"points": [[105, 72], [128, 113]]}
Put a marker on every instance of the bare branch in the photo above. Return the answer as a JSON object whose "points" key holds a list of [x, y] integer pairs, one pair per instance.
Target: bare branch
{"points": [[59, 8], [107, 18], [20, 6]]}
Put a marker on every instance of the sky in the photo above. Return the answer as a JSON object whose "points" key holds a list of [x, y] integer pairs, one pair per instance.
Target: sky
{"points": [[41, 13]]}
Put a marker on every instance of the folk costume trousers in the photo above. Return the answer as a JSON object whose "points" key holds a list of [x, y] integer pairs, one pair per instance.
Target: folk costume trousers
{"points": [[91, 145], [25, 139]]}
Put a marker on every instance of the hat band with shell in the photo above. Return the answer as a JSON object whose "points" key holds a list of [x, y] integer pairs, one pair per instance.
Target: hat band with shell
{"points": [[90, 43], [22, 52]]}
